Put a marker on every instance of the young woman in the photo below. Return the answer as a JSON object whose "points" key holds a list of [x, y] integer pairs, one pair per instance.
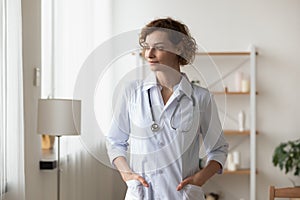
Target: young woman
{"points": [[156, 133]]}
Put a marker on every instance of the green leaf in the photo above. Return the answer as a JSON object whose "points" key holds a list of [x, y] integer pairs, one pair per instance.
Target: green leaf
{"points": [[287, 156]]}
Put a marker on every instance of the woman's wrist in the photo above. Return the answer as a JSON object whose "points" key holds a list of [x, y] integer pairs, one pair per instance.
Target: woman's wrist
{"points": [[200, 178], [207, 172], [126, 175]]}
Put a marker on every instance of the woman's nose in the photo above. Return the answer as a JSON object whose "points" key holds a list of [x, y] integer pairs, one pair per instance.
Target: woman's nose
{"points": [[150, 52]]}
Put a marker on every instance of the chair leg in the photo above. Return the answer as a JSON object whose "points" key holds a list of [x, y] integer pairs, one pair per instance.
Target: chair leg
{"points": [[271, 192]]}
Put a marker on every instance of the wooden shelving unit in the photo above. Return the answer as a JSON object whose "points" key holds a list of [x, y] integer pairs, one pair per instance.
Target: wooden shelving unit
{"points": [[251, 132]]}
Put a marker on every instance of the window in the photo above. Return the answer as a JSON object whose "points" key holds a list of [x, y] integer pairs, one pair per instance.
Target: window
{"points": [[11, 102], [3, 161]]}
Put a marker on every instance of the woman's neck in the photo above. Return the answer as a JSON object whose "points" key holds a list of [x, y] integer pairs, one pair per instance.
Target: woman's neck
{"points": [[168, 80]]}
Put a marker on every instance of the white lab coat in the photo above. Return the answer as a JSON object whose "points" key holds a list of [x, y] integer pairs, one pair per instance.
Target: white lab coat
{"points": [[166, 157]]}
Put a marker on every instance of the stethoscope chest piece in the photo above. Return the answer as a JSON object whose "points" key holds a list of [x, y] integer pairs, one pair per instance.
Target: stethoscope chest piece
{"points": [[154, 127]]}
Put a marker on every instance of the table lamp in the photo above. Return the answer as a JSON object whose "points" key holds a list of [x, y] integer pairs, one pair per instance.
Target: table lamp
{"points": [[59, 117]]}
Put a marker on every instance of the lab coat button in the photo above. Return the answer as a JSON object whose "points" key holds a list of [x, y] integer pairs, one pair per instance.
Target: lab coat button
{"points": [[161, 144], [160, 171]]}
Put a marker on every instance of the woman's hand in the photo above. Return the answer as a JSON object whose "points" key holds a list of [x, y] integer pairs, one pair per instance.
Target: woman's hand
{"points": [[196, 179], [202, 176], [126, 173], [127, 176]]}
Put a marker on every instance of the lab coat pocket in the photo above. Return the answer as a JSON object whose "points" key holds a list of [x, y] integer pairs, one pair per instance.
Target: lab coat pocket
{"points": [[193, 192], [134, 190]]}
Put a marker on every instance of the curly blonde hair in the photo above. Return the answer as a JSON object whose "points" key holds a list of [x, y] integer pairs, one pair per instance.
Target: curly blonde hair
{"points": [[177, 32]]}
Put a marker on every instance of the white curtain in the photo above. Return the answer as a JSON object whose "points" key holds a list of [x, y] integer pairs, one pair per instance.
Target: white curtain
{"points": [[71, 30], [11, 102]]}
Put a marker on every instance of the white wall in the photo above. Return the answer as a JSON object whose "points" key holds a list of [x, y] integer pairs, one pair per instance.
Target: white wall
{"points": [[35, 182], [274, 28]]}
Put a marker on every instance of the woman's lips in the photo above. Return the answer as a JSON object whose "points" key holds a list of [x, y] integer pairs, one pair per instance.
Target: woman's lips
{"points": [[153, 62]]}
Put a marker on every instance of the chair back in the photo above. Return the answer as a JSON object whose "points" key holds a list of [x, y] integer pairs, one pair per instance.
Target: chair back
{"points": [[288, 192]]}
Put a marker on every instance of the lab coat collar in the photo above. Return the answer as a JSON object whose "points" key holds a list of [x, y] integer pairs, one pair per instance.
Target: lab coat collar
{"points": [[184, 85], [149, 82]]}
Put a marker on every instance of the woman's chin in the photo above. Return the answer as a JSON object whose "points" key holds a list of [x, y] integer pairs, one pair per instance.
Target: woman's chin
{"points": [[162, 68], [154, 67]]}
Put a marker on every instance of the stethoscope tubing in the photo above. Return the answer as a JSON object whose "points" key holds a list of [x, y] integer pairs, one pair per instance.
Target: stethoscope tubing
{"points": [[175, 110], [155, 127]]}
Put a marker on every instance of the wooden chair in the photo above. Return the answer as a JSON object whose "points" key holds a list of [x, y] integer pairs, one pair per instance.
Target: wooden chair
{"points": [[288, 192]]}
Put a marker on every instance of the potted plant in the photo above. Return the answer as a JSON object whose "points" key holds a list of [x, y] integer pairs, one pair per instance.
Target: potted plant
{"points": [[287, 157]]}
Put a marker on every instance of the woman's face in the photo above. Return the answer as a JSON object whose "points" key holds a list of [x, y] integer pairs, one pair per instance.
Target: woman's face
{"points": [[160, 52]]}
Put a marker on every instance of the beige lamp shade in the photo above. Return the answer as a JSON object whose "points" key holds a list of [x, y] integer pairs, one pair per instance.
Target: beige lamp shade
{"points": [[59, 117]]}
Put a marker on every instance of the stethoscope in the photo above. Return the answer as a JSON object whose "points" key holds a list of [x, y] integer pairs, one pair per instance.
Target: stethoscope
{"points": [[155, 127]]}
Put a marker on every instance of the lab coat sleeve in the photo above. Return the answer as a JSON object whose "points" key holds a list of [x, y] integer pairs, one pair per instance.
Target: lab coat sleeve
{"points": [[212, 132], [118, 135]]}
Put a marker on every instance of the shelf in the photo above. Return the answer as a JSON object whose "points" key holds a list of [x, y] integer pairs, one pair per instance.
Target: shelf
{"points": [[229, 53], [237, 132], [231, 93], [238, 172]]}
